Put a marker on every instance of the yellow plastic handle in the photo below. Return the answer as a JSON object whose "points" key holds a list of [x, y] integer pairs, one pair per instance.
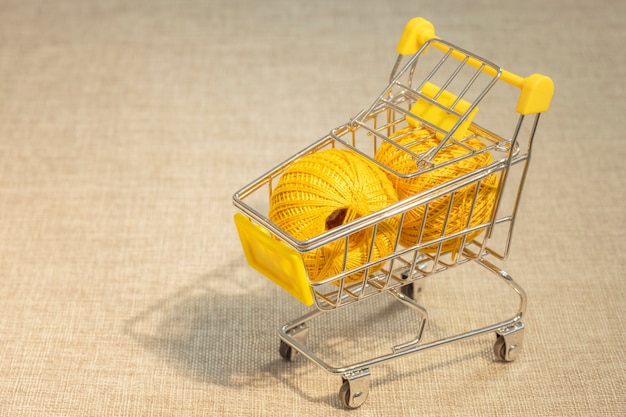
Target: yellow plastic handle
{"points": [[416, 33], [536, 90]]}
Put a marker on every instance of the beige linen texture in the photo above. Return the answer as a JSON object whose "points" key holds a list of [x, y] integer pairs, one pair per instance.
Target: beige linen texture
{"points": [[125, 127]]}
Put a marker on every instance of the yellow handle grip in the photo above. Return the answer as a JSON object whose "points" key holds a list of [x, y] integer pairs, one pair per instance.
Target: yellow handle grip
{"points": [[416, 33], [536, 90]]}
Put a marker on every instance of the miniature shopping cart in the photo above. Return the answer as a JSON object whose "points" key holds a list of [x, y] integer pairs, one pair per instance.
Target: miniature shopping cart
{"points": [[436, 86]]}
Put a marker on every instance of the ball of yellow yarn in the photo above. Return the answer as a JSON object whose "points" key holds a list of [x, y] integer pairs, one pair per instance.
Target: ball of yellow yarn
{"points": [[324, 190], [419, 142]]}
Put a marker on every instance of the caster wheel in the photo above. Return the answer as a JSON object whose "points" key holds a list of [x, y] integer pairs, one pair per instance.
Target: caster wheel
{"points": [[355, 389], [499, 348], [298, 335], [344, 394], [287, 352], [509, 341], [348, 400]]}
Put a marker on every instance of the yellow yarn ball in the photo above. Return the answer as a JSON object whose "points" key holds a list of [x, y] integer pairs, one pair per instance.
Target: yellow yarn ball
{"points": [[324, 190], [419, 142]]}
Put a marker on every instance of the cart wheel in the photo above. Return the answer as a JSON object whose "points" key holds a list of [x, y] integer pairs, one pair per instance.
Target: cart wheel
{"points": [[354, 389], [345, 396], [509, 341], [499, 348], [298, 335], [287, 352]]}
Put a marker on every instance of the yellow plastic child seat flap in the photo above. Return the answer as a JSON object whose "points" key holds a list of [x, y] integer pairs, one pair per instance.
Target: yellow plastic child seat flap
{"points": [[440, 117], [274, 259]]}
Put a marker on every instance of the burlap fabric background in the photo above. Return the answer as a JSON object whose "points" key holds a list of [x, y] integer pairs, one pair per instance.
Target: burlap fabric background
{"points": [[125, 127]]}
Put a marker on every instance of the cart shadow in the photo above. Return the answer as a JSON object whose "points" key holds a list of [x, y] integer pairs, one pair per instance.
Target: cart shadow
{"points": [[226, 335], [215, 329]]}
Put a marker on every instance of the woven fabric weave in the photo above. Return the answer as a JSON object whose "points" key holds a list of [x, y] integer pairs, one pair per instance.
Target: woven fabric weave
{"points": [[125, 128]]}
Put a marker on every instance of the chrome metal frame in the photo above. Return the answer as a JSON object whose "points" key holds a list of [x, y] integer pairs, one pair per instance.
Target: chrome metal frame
{"points": [[408, 267]]}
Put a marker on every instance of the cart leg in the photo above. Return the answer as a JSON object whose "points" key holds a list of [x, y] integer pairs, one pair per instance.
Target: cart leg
{"points": [[509, 341], [355, 388], [299, 334]]}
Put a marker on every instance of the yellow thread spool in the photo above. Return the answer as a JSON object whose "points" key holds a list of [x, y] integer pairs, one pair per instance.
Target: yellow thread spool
{"points": [[421, 141], [329, 188]]}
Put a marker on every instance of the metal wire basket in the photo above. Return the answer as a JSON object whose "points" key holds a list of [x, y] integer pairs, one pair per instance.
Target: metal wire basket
{"points": [[434, 90]]}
